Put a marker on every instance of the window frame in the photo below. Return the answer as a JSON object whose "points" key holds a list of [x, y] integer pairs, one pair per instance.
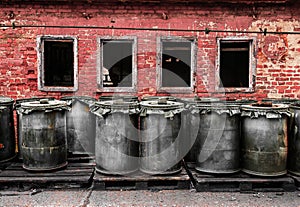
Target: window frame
{"points": [[160, 40], [252, 64], [41, 62], [100, 61]]}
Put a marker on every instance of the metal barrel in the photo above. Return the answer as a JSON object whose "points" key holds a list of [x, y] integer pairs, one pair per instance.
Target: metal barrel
{"points": [[125, 98], [80, 125], [188, 132], [117, 147], [19, 119], [294, 140], [160, 122], [7, 130], [44, 141], [218, 138], [264, 132]]}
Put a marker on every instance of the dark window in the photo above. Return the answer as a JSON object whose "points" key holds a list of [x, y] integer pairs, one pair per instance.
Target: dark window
{"points": [[234, 64], [117, 63], [176, 64], [58, 63]]}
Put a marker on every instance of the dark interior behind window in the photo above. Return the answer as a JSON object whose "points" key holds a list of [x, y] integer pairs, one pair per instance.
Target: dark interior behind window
{"points": [[58, 63], [234, 64], [117, 63], [176, 64]]}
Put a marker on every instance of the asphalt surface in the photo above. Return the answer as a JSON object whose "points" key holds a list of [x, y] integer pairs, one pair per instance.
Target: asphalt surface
{"points": [[88, 197]]}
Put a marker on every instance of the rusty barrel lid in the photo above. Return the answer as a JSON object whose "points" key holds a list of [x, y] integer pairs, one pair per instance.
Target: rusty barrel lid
{"points": [[43, 105], [24, 100], [161, 104]]}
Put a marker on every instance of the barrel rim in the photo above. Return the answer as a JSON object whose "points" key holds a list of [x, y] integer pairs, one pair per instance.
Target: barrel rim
{"points": [[41, 106], [153, 104], [6, 100], [295, 106], [116, 104], [274, 107]]}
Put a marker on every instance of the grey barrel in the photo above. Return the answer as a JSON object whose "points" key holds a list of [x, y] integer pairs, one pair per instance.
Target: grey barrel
{"points": [[7, 130], [160, 122], [218, 138], [44, 141], [116, 148], [19, 119], [80, 125], [264, 139]]}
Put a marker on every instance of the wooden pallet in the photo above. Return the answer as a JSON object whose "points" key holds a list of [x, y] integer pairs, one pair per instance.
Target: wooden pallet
{"points": [[78, 173], [141, 181], [296, 178], [241, 182]]}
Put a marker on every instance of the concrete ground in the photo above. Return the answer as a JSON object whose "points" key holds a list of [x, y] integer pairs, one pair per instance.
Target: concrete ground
{"points": [[88, 197]]}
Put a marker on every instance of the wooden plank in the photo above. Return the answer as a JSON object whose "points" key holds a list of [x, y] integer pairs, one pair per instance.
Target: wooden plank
{"points": [[78, 173], [241, 182], [142, 177], [141, 181], [22, 173], [64, 179]]}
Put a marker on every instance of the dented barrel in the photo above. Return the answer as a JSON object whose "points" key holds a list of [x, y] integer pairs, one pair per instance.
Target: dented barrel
{"points": [[160, 122], [218, 139], [80, 125], [264, 139], [294, 140], [44, 141], [7, 131], [117, 147]]}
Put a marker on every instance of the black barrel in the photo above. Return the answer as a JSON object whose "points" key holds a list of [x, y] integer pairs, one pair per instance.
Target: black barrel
{"points": [[125, 98], [160, 123], [294, 140], [80, 125], [7, 130], [117, 146], [218, 138], [19, 119], [44, 141], [264, 139]]}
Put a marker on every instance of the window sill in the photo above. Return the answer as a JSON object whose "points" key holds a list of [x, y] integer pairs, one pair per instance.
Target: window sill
{"points": [[58, 89], [235, 90], [116, 89], [176, 90]]}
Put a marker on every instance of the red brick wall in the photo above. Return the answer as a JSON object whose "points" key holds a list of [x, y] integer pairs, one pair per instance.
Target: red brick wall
{"points": [[278, 56]]}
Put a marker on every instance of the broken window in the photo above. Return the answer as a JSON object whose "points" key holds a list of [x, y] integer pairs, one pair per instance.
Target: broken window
{"points": [[235, 63], [58, 64], [118, 63], [176, 64]]}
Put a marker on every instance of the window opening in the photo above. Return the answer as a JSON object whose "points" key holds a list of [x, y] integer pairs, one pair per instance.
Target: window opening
{"points": [[234, 64]]}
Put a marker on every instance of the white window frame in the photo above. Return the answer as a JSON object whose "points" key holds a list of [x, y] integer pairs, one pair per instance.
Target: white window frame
{"points": [[160, 40], [41, 66], [133, 87], [252, 64]]}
